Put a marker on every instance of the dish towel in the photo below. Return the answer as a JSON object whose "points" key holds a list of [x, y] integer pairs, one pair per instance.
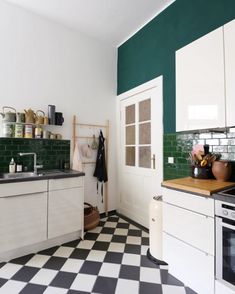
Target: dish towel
{"points": [[77, 162]]}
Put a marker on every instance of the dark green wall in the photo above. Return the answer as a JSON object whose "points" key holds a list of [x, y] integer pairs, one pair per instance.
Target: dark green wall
{"points": [[151, 51]]}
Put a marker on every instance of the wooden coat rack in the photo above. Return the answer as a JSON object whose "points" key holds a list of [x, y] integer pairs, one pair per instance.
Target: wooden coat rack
{"points": [[76, 136]]}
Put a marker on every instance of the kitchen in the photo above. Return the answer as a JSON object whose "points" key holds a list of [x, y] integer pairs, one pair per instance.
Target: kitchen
{"points": [[81, 69]]}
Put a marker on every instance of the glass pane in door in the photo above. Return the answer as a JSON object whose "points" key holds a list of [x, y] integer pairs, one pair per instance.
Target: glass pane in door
{"points": [[130, 114], [130, 135], [145, 110], [145, 133], [130, 156], [145, 156]]}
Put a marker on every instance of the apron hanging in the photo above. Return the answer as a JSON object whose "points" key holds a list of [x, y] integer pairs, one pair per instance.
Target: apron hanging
{"points": [[100, 168]]}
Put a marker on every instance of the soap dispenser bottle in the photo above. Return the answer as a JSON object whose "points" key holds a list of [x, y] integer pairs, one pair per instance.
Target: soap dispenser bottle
{"points": [[12, 166]]}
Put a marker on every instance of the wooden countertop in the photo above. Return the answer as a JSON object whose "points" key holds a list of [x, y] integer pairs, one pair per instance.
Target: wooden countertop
{"points": [[201, 186]]}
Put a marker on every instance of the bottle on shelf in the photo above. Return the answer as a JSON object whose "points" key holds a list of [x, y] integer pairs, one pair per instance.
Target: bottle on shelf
{"points": [[12, 166], [19, 166]]}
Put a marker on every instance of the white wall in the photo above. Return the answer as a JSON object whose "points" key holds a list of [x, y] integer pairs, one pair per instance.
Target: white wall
{"points": [[43, 63]]}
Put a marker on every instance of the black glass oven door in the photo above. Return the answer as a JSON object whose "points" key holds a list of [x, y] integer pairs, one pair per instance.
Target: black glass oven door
{"points": [[228, 249]]}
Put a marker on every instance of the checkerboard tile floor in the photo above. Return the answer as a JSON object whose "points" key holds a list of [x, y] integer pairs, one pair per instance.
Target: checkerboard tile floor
{"points": [[110, 259]]}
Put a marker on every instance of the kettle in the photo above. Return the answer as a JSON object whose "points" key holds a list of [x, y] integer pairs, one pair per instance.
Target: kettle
{"points": [[8, 116], [39, 118], [29, 116]]}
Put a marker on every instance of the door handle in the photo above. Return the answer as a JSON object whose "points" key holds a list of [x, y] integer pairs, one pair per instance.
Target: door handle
{"points": [[154, 161]]}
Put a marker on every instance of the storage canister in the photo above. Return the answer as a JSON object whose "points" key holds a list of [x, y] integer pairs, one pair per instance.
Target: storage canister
{"points": [[19, 131], [28, 132], [38, 132], [46, 134], [7, 130], [51, 114], [20, 117]]}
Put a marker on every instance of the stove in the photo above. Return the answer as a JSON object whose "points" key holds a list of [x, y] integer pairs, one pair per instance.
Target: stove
{"points": [[227, 195], [228, 192]]}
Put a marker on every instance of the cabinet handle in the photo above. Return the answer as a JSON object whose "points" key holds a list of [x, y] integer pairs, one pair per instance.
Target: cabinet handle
{"points": [[20, 195], [153, 220], [158, 197]]}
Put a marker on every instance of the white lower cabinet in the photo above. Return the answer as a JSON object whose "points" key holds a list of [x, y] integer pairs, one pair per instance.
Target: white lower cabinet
{"points": [[37, 214], [190, 265], [23, 218], [188, 239], [65, 206], [65, 213]]}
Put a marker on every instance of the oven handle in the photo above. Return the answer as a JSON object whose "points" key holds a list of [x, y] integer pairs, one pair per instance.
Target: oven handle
{"points": [[226, 225]]}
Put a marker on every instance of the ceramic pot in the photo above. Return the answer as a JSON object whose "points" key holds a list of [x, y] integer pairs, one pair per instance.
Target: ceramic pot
{"points": [[221, 170], [201, 172]]}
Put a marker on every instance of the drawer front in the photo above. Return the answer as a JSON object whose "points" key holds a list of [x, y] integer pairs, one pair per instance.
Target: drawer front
{"points": [[203, 205], [193, 228], [67, 183], [193, 267], [22, 188]]}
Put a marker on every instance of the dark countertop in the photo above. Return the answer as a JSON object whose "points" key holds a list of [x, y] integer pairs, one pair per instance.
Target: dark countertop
{"points": [[44, 175]]}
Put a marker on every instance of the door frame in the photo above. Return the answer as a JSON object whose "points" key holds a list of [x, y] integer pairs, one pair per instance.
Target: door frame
{"points": [[157, 82]]}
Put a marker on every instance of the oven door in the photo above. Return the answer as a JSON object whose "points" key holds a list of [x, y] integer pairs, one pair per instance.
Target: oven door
{"points": [[225, 250]]}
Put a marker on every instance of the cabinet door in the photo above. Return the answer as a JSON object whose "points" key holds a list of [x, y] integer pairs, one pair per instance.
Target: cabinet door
{"points": [[229, 45], [200, 101], [192, 228], [23, 220], [193, 267], [65, 211]]}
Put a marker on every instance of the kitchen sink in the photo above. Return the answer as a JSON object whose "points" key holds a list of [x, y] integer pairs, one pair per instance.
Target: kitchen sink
{"points": [[24, 175], [50, 172], [18, 175]]}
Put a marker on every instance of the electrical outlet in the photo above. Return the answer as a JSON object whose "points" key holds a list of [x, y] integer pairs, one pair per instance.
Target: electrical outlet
{"points": [[170, 159]]}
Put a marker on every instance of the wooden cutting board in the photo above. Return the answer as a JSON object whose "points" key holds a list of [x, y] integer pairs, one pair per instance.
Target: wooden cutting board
{"points": [[204, 187]]}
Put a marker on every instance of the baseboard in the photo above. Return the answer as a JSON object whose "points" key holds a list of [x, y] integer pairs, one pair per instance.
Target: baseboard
{"points": [[33, 248], [110, 213], [133, 222]]}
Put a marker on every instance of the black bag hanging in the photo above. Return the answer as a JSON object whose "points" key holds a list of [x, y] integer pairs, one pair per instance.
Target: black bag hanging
{"points": [[100, 168]]}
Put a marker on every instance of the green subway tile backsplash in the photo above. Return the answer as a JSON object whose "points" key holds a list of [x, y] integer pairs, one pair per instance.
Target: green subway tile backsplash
{"points": [[178, 145], [49, 152]]}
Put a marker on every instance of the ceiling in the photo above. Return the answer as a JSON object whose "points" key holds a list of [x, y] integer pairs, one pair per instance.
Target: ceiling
{"points": [[111, 21]]}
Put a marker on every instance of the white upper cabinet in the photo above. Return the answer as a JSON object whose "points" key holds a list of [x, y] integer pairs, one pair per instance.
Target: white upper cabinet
{"points": [[229, 45], [200, 91]]}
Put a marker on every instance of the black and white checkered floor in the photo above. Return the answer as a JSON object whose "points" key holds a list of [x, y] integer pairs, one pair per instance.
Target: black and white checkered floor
{"points": [[111, 259]]}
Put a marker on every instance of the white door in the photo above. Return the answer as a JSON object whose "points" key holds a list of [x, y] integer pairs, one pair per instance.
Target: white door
{"points": [[141, 167]]}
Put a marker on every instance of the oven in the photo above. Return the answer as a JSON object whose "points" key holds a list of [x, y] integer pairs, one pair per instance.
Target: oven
{"points": [[225, 241]]}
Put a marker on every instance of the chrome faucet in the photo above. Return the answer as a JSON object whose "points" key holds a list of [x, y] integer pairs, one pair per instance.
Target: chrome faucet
{"points": [[35, 166]]}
